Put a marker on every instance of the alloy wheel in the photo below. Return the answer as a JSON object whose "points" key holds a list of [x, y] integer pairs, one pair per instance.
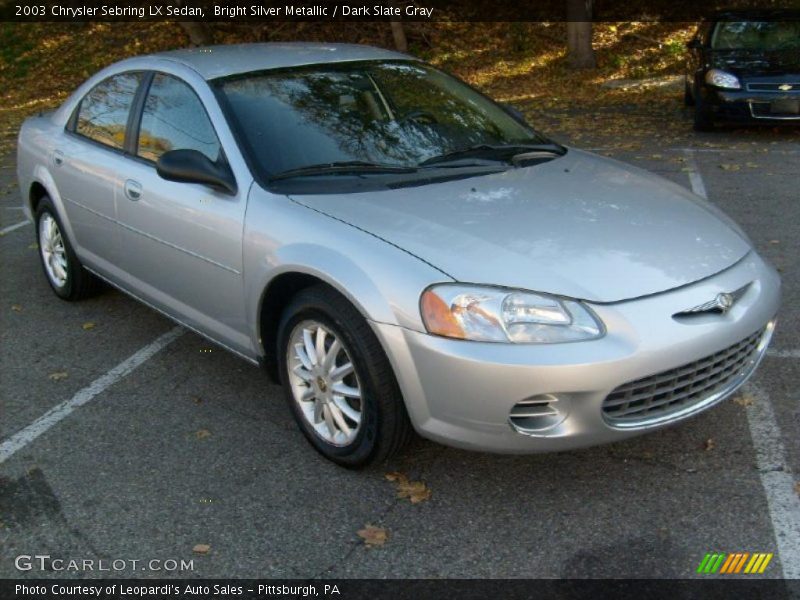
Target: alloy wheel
{"points": [[324, 383], [53, 252]]}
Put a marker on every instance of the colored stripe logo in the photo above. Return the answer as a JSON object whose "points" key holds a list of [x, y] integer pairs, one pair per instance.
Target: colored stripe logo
{"points": [[734, 563]]}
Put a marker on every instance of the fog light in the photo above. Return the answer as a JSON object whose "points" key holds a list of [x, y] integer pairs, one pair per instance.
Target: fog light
{"points": [[538, 413]]}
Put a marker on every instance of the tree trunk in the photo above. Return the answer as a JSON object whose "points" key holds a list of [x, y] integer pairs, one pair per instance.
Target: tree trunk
{"points": [[198, 32], [580, 54], [399, 34]]}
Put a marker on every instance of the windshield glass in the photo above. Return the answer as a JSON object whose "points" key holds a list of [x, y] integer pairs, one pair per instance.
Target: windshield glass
{"points": [[393, 114], [756, 35]]}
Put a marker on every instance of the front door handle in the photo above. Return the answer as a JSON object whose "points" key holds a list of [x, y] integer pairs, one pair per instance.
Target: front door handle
{"points": [[133, 189]]}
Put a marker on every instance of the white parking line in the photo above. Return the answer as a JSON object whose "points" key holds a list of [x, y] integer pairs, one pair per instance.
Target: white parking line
{"points": [[784, 353], [773, 466], [11, 228], [777, 479], [698, 187], [25, 436]]}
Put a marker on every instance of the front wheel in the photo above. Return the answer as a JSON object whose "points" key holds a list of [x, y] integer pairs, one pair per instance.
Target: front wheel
{"points": [[688, 98], [338, 382], [703, 121]]}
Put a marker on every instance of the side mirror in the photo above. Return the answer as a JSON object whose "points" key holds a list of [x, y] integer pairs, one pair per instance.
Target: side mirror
{"points": [[693, 44], [515, 113], [191, 166]]}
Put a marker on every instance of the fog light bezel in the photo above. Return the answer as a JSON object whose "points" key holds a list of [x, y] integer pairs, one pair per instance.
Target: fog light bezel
{"points": [[555, 410]]}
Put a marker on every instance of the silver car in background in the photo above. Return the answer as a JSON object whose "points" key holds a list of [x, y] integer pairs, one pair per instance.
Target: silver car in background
{"points": [[400, 252]]}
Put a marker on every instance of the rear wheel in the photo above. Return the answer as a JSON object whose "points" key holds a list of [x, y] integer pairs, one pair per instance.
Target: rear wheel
{"points": [[338, 382], [64, 272]]}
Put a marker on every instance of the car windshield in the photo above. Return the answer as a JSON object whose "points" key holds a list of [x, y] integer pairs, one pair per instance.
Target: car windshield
{"points": [[367, 117], [756, 35]]}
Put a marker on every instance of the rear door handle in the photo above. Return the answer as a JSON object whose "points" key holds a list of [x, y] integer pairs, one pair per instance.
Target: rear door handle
{"points": [[133, 189], [58, 158]]}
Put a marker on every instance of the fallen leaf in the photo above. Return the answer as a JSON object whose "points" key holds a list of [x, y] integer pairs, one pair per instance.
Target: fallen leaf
{"points": [[415, 491], [197, 399], [88, 325], [201, 548], [396, 476], [743, 400], [752, 165], [34, 246], [709, 445], [774, 241], [58, 375], [373, 536], [202, 434], [729, 167], [797, 487], [16, 308]]}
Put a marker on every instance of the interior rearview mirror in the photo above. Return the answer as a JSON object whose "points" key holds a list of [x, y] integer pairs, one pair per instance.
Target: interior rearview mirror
{"points": [[191, 166]]}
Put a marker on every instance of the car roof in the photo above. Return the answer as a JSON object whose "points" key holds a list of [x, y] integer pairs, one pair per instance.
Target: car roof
{"points": [[212, 62]]}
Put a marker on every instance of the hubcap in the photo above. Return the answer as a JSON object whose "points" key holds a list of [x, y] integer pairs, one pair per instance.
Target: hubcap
{"points": [[51, 246], [324, 383]]}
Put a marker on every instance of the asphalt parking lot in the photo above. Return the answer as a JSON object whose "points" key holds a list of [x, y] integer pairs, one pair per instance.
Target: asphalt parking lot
{"points": [[195, 446]]}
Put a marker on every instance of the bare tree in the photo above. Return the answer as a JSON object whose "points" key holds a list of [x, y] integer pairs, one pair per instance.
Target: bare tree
{"points": [[580, 53]]}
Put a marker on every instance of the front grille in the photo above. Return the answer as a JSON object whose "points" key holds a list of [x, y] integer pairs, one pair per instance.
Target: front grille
{"points": [[772, 87], [658, 397]]}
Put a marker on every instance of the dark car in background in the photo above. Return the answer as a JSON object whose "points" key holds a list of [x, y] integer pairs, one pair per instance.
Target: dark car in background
{"points": [[744, 66]]}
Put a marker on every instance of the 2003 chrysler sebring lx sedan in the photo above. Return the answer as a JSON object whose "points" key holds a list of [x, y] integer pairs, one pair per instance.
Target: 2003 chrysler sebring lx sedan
{"points": [[400, 252]]}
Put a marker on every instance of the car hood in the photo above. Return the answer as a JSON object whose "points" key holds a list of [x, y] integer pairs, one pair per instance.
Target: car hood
{"points": [[756, 62], [580, 225]]}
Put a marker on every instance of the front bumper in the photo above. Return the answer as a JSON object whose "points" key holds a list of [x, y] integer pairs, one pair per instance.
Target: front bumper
{"points": [[462, 393], [749, 105]]}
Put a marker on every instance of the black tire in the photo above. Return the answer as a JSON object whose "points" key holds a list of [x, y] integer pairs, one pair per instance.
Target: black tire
{"points": [[688, 99], [703, 121], [385, 427], [79, 283]]}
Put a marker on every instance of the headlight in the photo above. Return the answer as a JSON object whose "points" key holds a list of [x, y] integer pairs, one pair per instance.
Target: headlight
{"points": [[487, 314], [722, 79]]}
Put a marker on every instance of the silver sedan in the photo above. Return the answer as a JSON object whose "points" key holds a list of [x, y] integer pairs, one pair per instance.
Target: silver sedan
{"points": [[397, 250]]}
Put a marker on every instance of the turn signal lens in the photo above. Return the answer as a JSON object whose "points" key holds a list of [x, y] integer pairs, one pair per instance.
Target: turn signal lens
{"points": [[438, 318]]}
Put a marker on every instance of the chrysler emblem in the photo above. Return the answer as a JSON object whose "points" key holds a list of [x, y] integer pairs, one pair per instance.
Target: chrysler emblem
{"points": [[721, 303], [785, 87], [724, 301]]}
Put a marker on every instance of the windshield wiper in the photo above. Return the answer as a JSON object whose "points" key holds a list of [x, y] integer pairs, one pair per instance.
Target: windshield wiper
{"points": [[497, 152], [342, 167]]}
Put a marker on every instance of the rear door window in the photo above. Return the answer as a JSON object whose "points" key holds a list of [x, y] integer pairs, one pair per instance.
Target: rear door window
{"points": [[103, 112]]}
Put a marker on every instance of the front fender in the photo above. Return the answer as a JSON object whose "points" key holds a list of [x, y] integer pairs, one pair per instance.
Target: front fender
{"points": [[382, 281]]}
